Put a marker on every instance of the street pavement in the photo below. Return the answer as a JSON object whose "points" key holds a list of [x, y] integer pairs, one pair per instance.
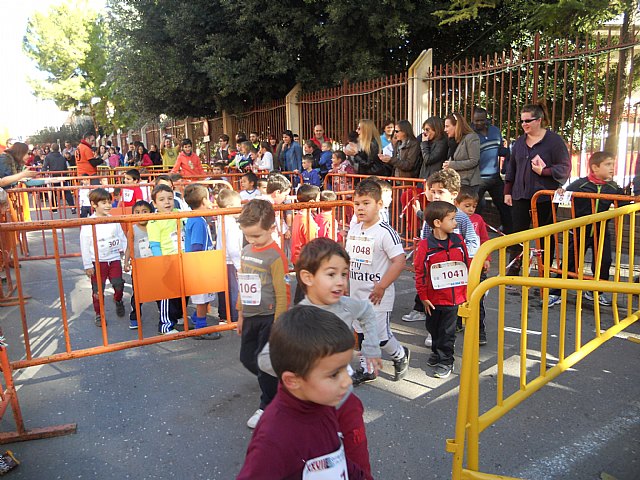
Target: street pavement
{"points": [[179, 409]]}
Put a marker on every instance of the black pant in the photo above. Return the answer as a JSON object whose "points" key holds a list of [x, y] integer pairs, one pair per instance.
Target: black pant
{"points": [[255, 334], [441, 324], [521, 216], [590, 234], [495, 187]]}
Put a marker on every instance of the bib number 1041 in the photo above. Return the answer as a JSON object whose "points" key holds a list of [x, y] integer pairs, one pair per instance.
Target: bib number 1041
{"points": [[449, 274]]}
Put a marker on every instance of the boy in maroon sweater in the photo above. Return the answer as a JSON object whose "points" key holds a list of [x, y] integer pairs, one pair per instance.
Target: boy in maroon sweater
{"points": [[298, 435], [441, 264]]}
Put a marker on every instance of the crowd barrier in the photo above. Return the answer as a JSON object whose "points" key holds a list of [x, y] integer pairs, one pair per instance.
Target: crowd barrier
{"points": [[566, 210], [153, 278], [536, 349]]}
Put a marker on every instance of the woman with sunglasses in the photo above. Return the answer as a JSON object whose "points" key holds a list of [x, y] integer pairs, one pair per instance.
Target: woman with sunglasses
{"points": [[434, 146], [539, 161], [464, 150], [406, 151]]}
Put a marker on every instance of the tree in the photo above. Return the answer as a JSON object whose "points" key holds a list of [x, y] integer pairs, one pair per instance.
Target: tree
{"points": [[69, 45]]}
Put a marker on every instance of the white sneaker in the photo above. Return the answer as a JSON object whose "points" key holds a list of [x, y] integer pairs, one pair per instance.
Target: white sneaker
{"points": [[180, 321], [414, 316], [173, 330], [428, 341], [253, 421]]}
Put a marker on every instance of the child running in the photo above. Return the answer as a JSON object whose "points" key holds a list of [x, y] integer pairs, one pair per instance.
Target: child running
{"points": [[197, 239], [441, 265], [377, 260], [111, 242], [299, 434], [264, 294]]}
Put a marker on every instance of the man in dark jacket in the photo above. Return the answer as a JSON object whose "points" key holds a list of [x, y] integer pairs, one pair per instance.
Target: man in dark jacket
{"points": [[55, 162]]}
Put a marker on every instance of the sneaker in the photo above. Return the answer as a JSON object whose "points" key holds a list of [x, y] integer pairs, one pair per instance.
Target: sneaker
{"points": [[414, 316], [180, 321], [173, 330], [482, 338], [133, 324], [433, 360], [209, 336], [604, 300], [73, 211], [253, 421], [360, 376], [401, 366], [428, 341], [443, 371], [98, 320], [120, 308], [554, 300]]}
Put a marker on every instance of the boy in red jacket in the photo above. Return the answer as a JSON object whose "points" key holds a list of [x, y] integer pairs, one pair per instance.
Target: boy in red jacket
{"points": [[441, 264]]}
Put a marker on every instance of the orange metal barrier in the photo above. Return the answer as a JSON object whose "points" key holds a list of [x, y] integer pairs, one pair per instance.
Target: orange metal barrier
{"points": [[618, 200], [405, 192], [154, 278]]}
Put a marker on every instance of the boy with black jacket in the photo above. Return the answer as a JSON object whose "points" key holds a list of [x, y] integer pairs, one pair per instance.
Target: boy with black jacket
{"points": [[599, 181], [441, 264]]}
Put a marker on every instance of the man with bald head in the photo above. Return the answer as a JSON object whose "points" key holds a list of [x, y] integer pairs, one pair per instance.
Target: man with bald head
{"points": [[318, 136]]}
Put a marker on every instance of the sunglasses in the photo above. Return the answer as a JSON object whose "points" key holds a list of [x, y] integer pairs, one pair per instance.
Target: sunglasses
{"points": [[529, 120], [396, 131]]}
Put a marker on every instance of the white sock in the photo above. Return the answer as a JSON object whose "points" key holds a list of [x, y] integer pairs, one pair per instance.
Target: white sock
{"points": [[394, 349], [363, 363]]}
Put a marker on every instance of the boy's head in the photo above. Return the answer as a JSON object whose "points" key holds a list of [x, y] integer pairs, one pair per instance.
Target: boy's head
{"points": [[262, 185], [387, 192], [187, 146], [602, 165], [367, 201], [278, 186], [104, 181], [352, 136], [310, 349], [326, 146], [257, 222], [248, 181], [467, 200], [308, 193], [85, 181], [131, 176], [442, 215], [322, 270], [307, 162], [328, 196], [228, 198], [141, 207], [443, 185], [162, 197], [197, 196], [217, 169], [98, 195], [163, 180]]}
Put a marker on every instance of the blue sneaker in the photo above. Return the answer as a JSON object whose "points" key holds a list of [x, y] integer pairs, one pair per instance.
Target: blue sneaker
{"points": [[133, 324], [554, 300]]}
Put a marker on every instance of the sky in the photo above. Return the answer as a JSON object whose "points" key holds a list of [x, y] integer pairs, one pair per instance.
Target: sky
{"points": [[21, 113]]}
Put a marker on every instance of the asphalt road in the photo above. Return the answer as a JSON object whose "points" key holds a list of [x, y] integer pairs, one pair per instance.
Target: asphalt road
{"points": [[178, 409]]}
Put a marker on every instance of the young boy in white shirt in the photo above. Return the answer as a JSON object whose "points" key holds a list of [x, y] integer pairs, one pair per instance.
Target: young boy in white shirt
{"points": [[111, 242], [377, 260]]}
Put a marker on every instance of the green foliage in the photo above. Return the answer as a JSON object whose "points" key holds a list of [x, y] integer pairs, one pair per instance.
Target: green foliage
{"points": [[72, 133], [69, 45], [463, 10]]}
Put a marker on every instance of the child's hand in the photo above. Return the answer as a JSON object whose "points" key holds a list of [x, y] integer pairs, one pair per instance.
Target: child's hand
{"points": [[287, 234], [428, 306], [416, 206], [376, 294], [486, 266], [126, 267], [90, 272], [239, 323], [374, 365]]}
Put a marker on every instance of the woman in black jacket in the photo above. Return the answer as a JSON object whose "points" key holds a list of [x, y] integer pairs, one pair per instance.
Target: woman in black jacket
{"points": [[369, 147], [434, 146]]}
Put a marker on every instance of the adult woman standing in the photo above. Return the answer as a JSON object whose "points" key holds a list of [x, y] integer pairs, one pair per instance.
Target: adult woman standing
{"points": [[406, 151], [154, 155], [103, 153], [290, 153], [366, 158], [465, 159], [539, 161], [12, 162], [434, 146]]}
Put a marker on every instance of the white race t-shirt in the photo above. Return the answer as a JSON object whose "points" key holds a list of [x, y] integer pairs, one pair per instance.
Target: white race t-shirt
{"points": [[371, 251]]}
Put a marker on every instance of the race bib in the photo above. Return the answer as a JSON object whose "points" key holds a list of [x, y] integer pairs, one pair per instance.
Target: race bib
{"points": [[108, 247], [332, 466], [449, 274], [562, 198], [127, 194], [360, 249], [145, 249], [174, 241], [250, 288]]}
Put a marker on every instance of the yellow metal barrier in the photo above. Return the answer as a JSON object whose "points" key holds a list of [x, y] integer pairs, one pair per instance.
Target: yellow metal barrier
{"points": [[469, 422]]}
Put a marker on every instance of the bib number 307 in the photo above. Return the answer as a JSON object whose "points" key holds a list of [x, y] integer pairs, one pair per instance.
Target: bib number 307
{"points": [[449, 275]]}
